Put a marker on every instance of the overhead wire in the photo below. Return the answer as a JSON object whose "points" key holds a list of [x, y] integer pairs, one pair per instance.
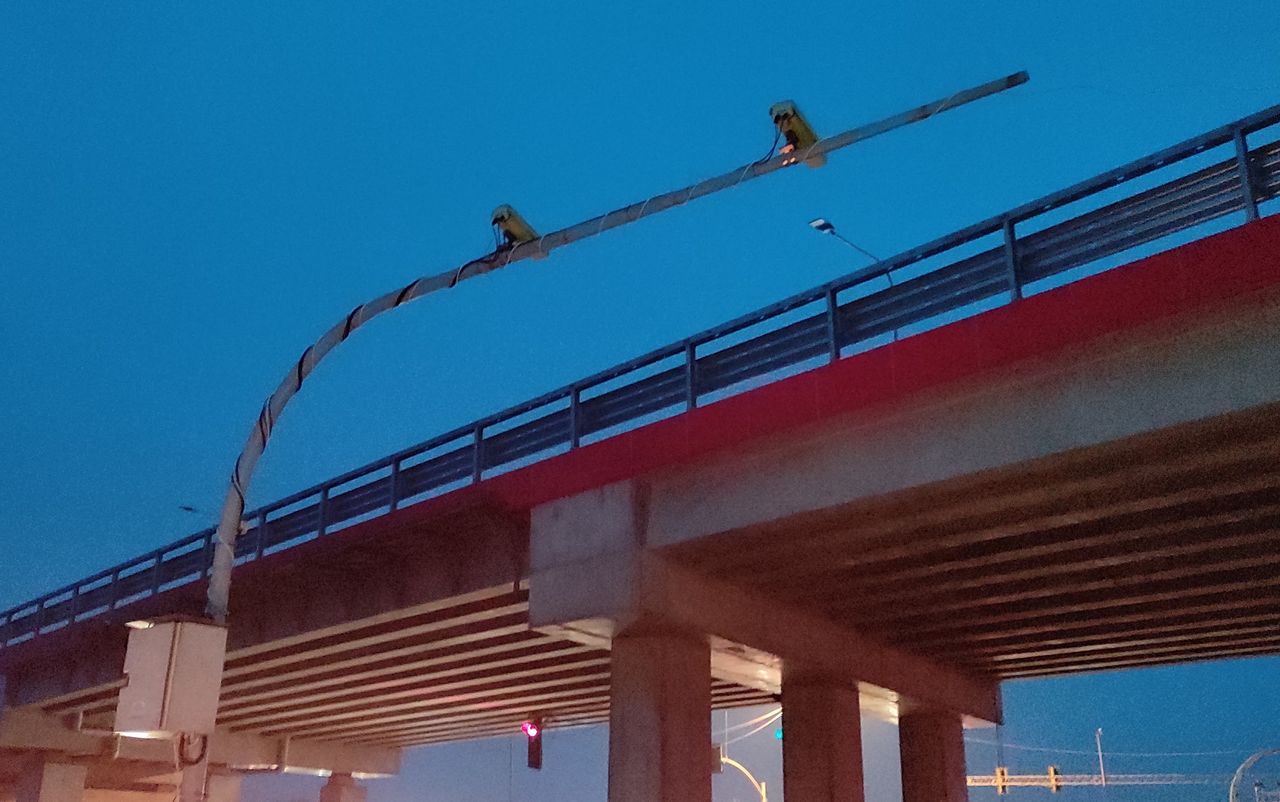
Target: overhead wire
{"points": [[773, 712], [764, 725], [1093, 752]]}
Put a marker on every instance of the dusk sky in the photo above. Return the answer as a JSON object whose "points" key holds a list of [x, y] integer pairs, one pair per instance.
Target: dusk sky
{"points": [[190, 193]]}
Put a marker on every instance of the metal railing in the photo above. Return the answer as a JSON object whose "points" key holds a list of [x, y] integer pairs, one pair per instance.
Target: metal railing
{"points": [[718, 360]]}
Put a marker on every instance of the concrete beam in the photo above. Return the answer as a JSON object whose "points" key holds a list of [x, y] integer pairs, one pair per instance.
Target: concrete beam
{"points": [[585, 599], [49, 781], [28, 729], [1146, 380], [120, 795]]}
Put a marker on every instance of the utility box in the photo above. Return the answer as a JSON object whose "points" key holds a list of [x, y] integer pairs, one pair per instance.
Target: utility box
{"points": [[173, 675]]}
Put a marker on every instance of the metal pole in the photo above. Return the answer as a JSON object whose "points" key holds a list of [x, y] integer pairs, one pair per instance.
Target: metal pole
{"points": [[1246, 176], [1102, 767], [758, 785], [234, 503], [691, 375], [1011, 259]]}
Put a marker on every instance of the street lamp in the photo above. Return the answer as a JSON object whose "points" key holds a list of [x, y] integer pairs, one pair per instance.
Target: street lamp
{"points": [[757, 784], [825, 226]]}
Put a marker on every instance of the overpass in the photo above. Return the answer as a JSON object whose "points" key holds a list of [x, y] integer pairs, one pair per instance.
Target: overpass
{"points": [[1044, 444]]}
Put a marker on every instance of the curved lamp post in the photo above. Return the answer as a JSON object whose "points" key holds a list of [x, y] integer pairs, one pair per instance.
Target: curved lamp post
{"points": [[1233, 793], [229, 522], [759, 786]]}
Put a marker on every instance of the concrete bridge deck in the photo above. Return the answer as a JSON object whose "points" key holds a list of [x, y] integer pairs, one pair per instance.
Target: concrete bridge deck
{"points": [[1107, 500], [1084, 479]]}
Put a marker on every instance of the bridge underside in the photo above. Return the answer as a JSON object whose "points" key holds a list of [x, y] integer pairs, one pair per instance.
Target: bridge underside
{"points": [[467, 667], [1158, 548]]}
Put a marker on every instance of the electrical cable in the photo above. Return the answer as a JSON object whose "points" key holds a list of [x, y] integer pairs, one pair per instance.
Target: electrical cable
{"points": [[777, 137], [856, 246], [743, 725], [182, 745], [1093, 752], [763, 726]]}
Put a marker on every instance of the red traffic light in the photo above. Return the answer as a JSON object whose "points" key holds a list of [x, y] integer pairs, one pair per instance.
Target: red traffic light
{"points": [[532, 730]]}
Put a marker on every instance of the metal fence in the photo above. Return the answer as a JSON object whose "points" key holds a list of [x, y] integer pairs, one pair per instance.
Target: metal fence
{"points": [[805, 329]]}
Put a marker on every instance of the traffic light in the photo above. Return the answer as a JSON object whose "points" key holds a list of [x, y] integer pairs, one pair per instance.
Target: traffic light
{"points": [[1055, 779], [532, 730]]}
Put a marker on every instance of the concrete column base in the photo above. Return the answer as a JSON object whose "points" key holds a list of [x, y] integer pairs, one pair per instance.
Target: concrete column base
{"points": [[821, 741], [223, 787], [932, 748], [342, 788], [44, 781], [660, 719]]}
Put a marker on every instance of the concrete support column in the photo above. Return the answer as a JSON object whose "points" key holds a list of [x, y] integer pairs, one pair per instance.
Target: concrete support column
{"points": [[932, 748], [821, 740], [660, 719], [46, 781], [342, 788], [223, 787]]}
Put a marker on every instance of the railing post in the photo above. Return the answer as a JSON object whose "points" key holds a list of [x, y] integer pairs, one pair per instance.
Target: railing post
{"points": [[74, 605], [261, 545], [1246, 177], [575, 421], [833, 325], [478, 455], [207, 566], [395, 485], [115, 590], [323, 510], [155, 573], [1011, 259], [691, 374]]}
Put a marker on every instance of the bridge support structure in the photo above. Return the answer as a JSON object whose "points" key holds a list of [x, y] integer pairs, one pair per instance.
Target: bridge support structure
{"points": [[594, 580], [932, 746], [46, 780], [223, 787], [660, 717], [341, 787], [822, 739], [44, 760]]}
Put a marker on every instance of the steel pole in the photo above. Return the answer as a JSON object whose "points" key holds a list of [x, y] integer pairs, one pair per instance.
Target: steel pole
{"points": [[233, 505]]}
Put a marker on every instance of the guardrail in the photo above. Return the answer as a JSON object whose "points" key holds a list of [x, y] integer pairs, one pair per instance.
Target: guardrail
{"points": [[877, 302]]}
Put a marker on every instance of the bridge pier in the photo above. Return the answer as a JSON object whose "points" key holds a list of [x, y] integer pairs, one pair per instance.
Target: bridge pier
{"points": [[821, 739], [660, 718], [342, 788], [223, 787], [44, 780], [595, 578], [931, 743]]}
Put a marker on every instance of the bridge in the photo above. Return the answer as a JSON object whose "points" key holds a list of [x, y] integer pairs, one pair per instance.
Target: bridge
{"points": [[1044, 444]]}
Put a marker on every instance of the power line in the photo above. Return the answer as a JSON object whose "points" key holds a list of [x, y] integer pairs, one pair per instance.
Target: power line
{"points": [[1092, 752]]}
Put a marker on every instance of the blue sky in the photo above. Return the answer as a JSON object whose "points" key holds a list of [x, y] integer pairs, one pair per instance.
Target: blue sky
{"points": [[190, 193]]}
